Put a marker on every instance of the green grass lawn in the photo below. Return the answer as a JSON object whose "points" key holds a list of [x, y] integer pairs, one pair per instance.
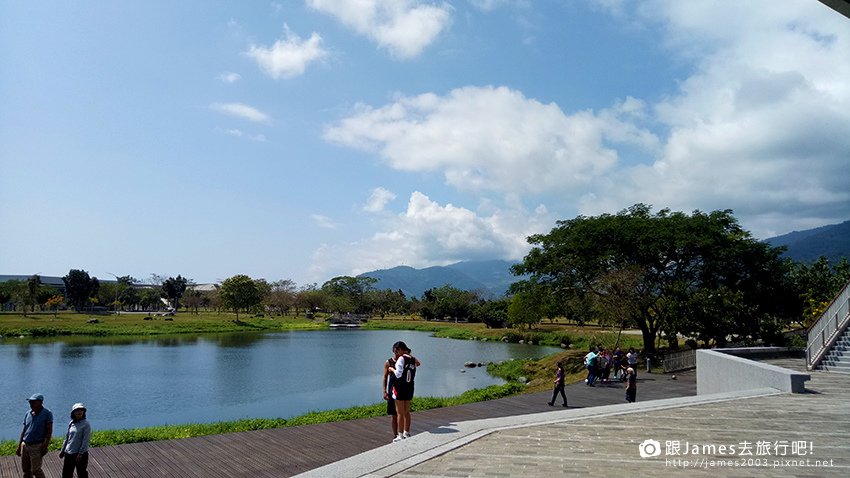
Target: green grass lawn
{"points": [[130, 324]]}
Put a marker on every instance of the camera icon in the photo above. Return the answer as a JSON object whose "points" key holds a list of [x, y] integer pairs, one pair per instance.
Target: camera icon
{"points": [[649, 448]]}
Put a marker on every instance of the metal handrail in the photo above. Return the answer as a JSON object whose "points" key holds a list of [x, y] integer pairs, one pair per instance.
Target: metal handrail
{"points": [[831, 324], [676, 361]]}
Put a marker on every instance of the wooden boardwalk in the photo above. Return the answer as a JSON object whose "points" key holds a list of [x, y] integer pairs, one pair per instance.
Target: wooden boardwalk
{"points": [[289, 451]]}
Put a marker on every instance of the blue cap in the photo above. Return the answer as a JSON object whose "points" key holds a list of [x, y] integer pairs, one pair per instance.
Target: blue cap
{"points": [[36, 396]]}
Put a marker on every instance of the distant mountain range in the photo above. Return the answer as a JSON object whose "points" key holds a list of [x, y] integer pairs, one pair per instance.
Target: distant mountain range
{"points": [[494, 277], [832, 241]]}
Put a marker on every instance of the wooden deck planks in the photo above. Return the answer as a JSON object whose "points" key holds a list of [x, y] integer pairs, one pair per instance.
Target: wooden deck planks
{"points": [[288, 451]]}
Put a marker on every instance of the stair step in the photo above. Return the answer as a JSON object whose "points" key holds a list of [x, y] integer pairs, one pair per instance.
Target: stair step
{"points": [[827, 368]]}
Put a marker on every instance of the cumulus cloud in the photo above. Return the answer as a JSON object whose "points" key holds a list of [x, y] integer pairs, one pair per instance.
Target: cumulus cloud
{"points": [[241, 111], [428, 234], [493, 139], [760, 127], [403, 27], [288, 57], [378, 200]]}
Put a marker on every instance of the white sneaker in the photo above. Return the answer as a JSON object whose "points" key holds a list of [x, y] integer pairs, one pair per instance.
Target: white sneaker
{"points": [[406, 435], [398, 438]]}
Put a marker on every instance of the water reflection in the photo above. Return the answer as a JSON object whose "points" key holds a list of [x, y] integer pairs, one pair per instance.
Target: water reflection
{"points": [[133, 383]]}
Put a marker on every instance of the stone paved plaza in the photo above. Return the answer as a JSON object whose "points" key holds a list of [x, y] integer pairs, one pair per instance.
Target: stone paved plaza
{"points": [[774, 434], [804, 434]]}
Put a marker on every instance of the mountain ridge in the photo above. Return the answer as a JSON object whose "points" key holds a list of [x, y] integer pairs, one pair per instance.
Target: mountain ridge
{"points": [[493, 277]]}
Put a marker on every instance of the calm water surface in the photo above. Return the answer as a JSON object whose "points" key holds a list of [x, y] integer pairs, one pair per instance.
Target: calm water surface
{"points": [[128, 384]]}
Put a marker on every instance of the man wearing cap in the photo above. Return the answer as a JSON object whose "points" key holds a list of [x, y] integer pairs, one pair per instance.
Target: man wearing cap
{"points": [[35, 437]]}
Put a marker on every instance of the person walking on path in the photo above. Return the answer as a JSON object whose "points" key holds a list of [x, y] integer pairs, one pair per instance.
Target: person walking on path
{"points": [[75, 447], [559, 386], [35, 437], [389, 379], [631, 385], [405, 373]]}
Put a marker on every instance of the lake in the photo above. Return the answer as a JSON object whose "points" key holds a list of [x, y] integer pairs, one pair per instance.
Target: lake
{"points": [[137, 383]]}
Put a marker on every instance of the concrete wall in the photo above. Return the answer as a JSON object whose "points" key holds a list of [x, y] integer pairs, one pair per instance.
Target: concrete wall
{"points": [[720, 372]]}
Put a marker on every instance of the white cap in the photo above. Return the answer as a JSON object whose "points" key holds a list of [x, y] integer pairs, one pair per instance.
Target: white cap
{"points": [[78, 406]]}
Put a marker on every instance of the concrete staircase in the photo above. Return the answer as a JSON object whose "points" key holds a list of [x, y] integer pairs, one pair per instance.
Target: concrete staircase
{"points": [[838, 357]]}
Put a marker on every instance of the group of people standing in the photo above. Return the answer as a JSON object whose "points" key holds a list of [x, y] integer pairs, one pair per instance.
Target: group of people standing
{"points": [[600, 363], [398, 384], [37, 432]]}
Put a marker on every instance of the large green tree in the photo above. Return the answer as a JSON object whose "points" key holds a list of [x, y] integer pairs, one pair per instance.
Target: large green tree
{"points": [[79, 287], [818, 284], [173, 289], [240, 292], [348, 294], [664, 265], [448, 302]]}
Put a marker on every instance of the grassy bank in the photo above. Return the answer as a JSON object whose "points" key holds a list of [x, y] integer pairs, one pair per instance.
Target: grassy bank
{"points": [[168, 432], [551, 334], [127, 324]]}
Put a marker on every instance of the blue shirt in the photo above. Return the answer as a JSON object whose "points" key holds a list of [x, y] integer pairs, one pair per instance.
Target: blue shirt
{"points": [[78, 437], [35, 426]]}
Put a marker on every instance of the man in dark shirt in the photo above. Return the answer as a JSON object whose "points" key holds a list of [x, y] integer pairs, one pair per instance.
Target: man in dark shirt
{"points": [[35, 437]]}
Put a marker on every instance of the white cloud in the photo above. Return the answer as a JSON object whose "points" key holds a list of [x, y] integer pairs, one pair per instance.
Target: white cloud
{"points": [[288, 57], [762, 125], [241, 111], [260, 138], [404, 27], [490, 5], [229, 77], [493, 139], [429, 234], [322, 221], [379, 198]]}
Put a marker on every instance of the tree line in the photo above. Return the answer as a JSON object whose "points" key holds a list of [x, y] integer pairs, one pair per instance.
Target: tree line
{"points": [[668, 274]]}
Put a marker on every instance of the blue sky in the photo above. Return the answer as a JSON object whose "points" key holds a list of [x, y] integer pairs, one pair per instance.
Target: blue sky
{"points": [[308, 139]]}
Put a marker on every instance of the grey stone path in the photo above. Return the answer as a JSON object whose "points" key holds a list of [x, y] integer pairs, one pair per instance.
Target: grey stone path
{"points": [[804, 434]]}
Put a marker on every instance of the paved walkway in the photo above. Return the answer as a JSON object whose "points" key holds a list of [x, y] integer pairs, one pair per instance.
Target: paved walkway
{"points": [[289, 451], [773, 434]]}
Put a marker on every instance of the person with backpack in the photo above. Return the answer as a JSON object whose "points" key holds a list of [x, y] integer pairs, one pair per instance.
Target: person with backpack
{"points": [[403, 385], [388, 386]]}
